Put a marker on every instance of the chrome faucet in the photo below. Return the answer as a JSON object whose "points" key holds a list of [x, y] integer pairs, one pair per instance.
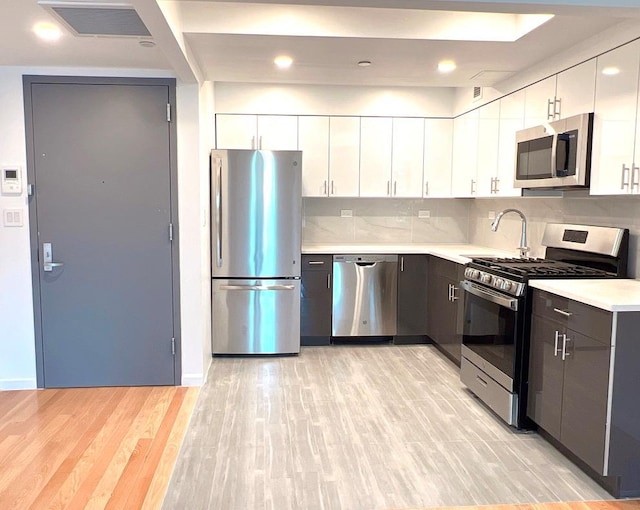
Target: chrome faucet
{"points": [[523, 248]]}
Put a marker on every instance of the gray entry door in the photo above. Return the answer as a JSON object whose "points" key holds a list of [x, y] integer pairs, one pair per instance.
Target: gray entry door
{"points": [[101, 164]]}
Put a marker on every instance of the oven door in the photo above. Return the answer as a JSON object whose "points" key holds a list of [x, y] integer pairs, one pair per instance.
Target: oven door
{"points": [[490, 331]]}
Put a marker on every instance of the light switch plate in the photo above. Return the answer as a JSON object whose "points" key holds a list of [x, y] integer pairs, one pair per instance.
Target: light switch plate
{"points": [[12, 217], [346, 213], [492, 215], [424, 214]]}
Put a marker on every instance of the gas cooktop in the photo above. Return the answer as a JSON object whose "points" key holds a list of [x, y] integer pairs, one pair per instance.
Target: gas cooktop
{"points": [[534, 267]]}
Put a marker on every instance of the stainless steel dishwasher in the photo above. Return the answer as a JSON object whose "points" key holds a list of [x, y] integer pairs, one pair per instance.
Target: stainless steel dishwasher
{"points": [[365, 293]]}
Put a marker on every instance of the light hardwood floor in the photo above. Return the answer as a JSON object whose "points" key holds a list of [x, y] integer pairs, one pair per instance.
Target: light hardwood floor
{"points": [[90, 447]]}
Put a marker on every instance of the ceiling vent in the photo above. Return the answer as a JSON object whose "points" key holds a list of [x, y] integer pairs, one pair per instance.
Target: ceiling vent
{"points": [[477, 93], [98, 19]]}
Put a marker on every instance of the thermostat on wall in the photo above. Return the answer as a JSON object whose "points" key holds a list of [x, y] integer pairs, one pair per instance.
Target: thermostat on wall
{"points": [[11, 180]]}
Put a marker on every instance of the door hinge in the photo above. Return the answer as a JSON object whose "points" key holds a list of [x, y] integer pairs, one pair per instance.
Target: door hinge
{"points": [[173, 346], [168, 112], [170, 231]]}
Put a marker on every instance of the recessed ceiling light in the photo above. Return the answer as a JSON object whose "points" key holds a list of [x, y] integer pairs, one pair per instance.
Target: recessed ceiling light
{"points": [[446, 66], [364, 63], [283, 62], [146, 43], [47, 31], [610, 71]]}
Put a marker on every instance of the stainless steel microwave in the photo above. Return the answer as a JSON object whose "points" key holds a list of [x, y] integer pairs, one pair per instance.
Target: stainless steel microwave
{"points": [[555, 155]]}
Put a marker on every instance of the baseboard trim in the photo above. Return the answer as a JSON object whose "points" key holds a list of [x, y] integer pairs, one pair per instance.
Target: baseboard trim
{"points": [[192, 379], [18, 384]]}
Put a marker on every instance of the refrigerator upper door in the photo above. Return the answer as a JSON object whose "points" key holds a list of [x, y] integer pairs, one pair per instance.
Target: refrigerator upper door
{"points": [[256, 316], [256, 207]]}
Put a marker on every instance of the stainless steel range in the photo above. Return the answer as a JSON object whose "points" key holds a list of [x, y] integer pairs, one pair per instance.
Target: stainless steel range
{"points": [[497, 309]]}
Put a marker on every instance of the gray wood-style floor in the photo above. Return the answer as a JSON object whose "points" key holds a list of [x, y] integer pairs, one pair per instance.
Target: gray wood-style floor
{"points": [[358, 427]]}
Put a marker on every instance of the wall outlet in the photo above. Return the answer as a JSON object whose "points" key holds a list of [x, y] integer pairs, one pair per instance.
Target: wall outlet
{"points": [[492, 215], [346, 213], [424, 214]]}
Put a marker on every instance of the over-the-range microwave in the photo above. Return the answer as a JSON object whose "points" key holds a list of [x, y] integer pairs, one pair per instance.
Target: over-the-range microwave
{"points": [[556, 154]]}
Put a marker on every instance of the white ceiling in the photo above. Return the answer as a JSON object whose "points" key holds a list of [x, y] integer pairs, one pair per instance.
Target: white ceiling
{"points": [[237, 41]]}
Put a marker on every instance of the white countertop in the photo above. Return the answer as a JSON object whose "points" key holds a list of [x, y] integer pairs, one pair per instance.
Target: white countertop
{"points": [[614, 295], [460, 253]]}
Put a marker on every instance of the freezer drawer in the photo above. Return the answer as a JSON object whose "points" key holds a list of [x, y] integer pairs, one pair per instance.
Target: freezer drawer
{"points": [[256, 316], [364, 295]]}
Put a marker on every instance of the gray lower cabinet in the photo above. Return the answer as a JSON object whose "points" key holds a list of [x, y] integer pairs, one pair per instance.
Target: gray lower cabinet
{"points": [[444, 311], [316, 299], [583, 386], [412, 298]]}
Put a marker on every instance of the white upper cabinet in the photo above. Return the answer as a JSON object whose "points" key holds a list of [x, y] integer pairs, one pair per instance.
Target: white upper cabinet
{"points": [[563, 95], [313, 141], [576, 90], [236, 131], [438, 148], [539, 102], [344, 156], [465, 155], [488, 138], [277, 132], [268, 132], [407, 157], [511, 121], [615, 154], [375, 157]]}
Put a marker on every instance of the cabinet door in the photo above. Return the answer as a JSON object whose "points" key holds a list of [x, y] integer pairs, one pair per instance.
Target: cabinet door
{"points": [[236, 131], [313, 141], [544, 405], [278, 132], [407, 157], [412, 294], [438, 150], [575, 90], [488, 138], [315, 303], [584, 402], [614, 129], [344, 156], [537, 104], [465, 155], [511, 121], [375, 157]]}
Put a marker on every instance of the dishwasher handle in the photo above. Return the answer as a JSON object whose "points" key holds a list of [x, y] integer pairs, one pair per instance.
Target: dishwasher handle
{"points": [[366, 264]]}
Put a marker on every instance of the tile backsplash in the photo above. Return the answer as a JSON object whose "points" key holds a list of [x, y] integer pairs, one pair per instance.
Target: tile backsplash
{"points": [[385, 220], [603, 211]]}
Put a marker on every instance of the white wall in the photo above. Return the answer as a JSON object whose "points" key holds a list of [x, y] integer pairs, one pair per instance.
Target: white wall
{"points": [[17, 341], [333, 100]]}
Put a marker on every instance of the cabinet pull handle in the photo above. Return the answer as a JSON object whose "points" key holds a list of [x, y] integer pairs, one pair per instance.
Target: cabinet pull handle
{"points": [[624, 182], [550, 104], [635, 177], [253, 143], [565, 354], [426, 188], [473, 186], [402, 264], [395, 188], [492, 182], [328, 280], [325, 187], [388, 188], [555, 344], [562, 312], [453, 293], [495, 186], [482, 381], [332, 186], [316, 262], [260, 145], [449, 289], [557, 107]]}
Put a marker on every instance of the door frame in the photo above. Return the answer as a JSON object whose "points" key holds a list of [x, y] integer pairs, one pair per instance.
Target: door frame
{"points": [[27, 81]]}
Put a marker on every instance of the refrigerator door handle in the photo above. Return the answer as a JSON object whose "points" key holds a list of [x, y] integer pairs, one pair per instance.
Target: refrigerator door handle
{"points": [[219, 212], [257, 287]]}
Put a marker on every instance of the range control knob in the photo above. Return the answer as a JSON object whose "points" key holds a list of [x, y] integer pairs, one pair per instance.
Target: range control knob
{"points": [[486, 278], [507, 285], [498, 282]]}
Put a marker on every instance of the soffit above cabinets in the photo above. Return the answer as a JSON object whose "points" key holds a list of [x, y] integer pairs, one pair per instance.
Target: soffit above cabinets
{"points": [[404, 39]]}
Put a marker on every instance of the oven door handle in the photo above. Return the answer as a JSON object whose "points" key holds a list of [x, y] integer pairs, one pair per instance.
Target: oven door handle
{"points": [[510, 303]]}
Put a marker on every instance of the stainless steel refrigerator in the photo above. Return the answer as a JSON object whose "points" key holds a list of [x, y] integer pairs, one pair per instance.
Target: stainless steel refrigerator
{"points": [[256, 208]]}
